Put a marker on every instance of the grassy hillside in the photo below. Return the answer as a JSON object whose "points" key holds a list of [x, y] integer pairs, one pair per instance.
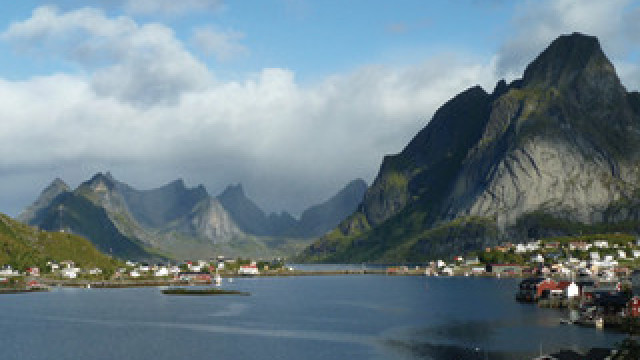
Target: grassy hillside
{"points": [[22, 246]]}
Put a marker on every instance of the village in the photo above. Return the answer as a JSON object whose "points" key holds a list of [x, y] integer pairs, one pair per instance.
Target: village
{"points": [[596, 278], [67, 273]]}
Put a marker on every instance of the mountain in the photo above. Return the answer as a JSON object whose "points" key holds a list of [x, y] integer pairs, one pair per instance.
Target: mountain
{"points": [[172, 220], [181, 222], [32, 213], [59, 209], [24, 246], [318, 219], [315, 221], [249, 217], [552, 153]]}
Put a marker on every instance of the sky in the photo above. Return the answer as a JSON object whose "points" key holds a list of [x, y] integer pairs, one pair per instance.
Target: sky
{"points": [[291, 98]]}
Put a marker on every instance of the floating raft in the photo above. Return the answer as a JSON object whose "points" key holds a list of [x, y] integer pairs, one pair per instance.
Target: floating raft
{"points": [[208, 291]]}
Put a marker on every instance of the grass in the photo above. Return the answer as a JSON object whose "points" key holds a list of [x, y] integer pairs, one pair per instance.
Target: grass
{"points": [[22, 246]]}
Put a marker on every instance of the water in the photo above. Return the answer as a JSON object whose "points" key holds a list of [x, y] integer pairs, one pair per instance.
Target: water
{"points": [[324, 317]]}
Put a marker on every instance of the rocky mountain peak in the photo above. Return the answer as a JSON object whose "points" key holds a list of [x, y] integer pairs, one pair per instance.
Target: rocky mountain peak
{"points": [[565, 59], [101, 182], [233, 192], [47, 195], [57, 186], [179, 183]]}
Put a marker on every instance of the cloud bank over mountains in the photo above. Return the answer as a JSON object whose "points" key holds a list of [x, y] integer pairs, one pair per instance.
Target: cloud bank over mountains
{"points": [[142, 102]]}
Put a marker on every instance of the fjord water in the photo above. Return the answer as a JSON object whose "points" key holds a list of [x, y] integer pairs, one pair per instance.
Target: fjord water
{"points": [[315, 317]]}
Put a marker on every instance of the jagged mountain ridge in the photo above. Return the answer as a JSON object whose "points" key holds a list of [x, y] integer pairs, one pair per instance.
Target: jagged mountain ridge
{"points": [[175, 220], [250, 218], [314, 221], [552, 152]]}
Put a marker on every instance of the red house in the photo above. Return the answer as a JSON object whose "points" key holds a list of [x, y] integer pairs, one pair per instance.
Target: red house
{"points": [[634, 307], [549, 286]]}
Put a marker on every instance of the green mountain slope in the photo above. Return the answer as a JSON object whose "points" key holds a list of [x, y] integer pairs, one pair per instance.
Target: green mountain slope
{"points": [[22, 246]]}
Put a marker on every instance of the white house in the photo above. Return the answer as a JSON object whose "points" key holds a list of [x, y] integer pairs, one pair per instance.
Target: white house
{"points": [[70, 273], [248, 270], [69, 264], [636, 253], [602, 244], [572, 290], [447, 270], [134, 273], [7, 270], [144, 268], [537, 258], [162, 271], [579, 245], [95, 271], [622, 254], [520, 248]]}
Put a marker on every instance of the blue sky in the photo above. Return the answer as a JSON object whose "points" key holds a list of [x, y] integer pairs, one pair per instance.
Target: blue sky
{"points": [[315, 39], [292, 98]]}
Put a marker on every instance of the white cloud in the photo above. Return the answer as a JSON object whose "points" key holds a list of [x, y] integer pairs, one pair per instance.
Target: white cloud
{"points": [[171, 7], [140, 64], [291, 145], [223, 45]]}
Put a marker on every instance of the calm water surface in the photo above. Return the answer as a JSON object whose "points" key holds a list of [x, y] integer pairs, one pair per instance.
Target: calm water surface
{"points": [[324, 317]]}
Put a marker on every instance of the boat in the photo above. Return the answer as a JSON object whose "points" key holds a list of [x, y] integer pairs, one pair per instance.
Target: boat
{"points": [[218, 280]]}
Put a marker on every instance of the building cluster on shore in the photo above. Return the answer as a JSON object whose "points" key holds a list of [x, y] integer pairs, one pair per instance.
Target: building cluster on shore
{"points": [[595, 277], [186, 271]]}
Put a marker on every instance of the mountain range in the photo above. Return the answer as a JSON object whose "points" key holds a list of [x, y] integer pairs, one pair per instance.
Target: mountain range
{"points": [[553, 153], [178, 222]]}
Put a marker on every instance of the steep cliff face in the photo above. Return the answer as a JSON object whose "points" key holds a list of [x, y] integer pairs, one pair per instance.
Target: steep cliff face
{"points": [[207, 220], [563, 140], [430, 161], [561, 143]]}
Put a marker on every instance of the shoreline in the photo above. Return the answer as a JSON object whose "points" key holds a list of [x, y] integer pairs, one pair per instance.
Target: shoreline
{"points": [[130, 283]]}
